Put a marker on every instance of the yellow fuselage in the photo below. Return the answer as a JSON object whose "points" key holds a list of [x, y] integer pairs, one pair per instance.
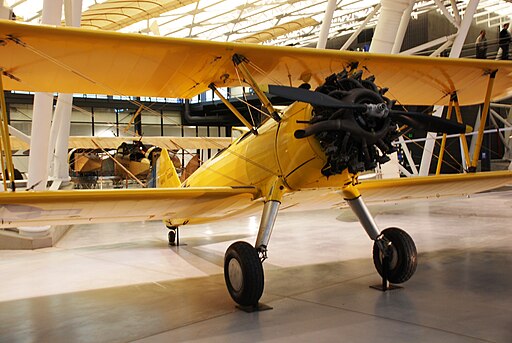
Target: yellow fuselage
{"points": [[257, 160]]}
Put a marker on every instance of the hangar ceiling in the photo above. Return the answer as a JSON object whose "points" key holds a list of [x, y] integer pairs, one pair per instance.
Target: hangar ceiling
{"points": [[273, 22]]}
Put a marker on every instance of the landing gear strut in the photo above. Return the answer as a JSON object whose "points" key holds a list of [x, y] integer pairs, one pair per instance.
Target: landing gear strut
{"points": [[243, 269], [394, 251]]}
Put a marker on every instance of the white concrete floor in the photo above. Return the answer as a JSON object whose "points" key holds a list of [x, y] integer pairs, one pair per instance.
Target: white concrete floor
{"points": [[121, 282]]}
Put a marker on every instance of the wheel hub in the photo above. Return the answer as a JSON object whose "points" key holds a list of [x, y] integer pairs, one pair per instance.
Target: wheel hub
{"points": [[235, 275], [392, 257]]}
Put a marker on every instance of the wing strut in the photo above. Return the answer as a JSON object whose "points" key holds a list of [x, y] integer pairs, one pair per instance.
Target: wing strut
{"points": [[454, 103], [7, 165], [240, 62], [233, 109], [483, 119]]}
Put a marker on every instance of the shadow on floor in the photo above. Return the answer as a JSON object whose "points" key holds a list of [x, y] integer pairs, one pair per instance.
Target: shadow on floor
{"points": [[464, 293]]}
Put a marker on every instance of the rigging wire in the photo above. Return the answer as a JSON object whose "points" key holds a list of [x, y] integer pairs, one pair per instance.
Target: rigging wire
{"points": [[437, 156], [149, 109], [70, 69], [245, 98], [82, 75]]}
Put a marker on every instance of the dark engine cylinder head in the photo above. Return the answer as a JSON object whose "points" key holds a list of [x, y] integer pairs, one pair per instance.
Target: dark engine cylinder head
{"points": [[352, 138]]}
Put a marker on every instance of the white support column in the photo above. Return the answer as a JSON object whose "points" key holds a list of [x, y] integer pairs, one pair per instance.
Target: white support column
{"points": [[402, 29], [326, 25], [506, 137], [408, 155], [429, 44], [5, 12], [456, 12], [454, 53], [73, 12], [18, 134], [462, 33], [391, 14], [41, 123], [404, 171], [60, 158], [62, 117], [38, 160], [447, 14], [361, 27], [387, 27], [500, 134], [52, 139], [498, 117], [442, 48], [42, 115]]}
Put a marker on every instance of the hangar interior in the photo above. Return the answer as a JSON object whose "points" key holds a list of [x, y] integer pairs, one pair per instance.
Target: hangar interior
{"points": [[120, 282]]}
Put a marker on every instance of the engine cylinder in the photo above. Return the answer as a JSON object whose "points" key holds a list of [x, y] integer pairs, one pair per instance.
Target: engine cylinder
{"points": [[353, 138]]}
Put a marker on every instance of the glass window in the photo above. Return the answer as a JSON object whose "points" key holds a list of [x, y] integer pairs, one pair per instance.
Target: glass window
{"points": [[101, 130], [172, 131], [20, 112], [81, 129], [23, 126], [104, 115], [152, 117], [82, 115], [150, 130]]}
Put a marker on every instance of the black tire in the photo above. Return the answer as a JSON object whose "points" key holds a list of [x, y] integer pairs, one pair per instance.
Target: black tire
{"points": [[243, 273], [172, 237], [403, 259]]}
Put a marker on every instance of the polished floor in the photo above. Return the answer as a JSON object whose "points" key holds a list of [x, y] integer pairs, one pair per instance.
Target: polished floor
{"points": [[122, 283]]}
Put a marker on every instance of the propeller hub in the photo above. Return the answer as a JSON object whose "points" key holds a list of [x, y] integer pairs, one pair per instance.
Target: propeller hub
{"points": [[377, 110]]}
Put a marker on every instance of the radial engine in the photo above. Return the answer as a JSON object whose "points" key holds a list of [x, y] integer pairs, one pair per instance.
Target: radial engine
{"points": [[354, 137]]}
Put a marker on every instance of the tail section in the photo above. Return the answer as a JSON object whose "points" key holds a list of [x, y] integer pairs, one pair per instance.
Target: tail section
{"points": [[166, 176], [191, 167]]}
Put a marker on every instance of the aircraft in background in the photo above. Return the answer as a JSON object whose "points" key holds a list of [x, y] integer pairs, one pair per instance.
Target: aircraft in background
{"points": [[129, 161], [305, 157], [90, 157]]}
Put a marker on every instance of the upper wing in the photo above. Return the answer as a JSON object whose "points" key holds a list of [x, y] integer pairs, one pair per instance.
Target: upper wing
{"points": [[170, 143], [90, 206], [44, 58]]}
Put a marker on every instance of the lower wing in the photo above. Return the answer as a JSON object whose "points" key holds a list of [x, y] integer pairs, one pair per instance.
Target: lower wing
{"points": [[93, 206], [403, 189], [433, 186], [205, 204]]}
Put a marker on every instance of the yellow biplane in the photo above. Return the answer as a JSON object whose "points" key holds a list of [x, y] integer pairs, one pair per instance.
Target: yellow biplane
{"points": [[306, 156]]}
